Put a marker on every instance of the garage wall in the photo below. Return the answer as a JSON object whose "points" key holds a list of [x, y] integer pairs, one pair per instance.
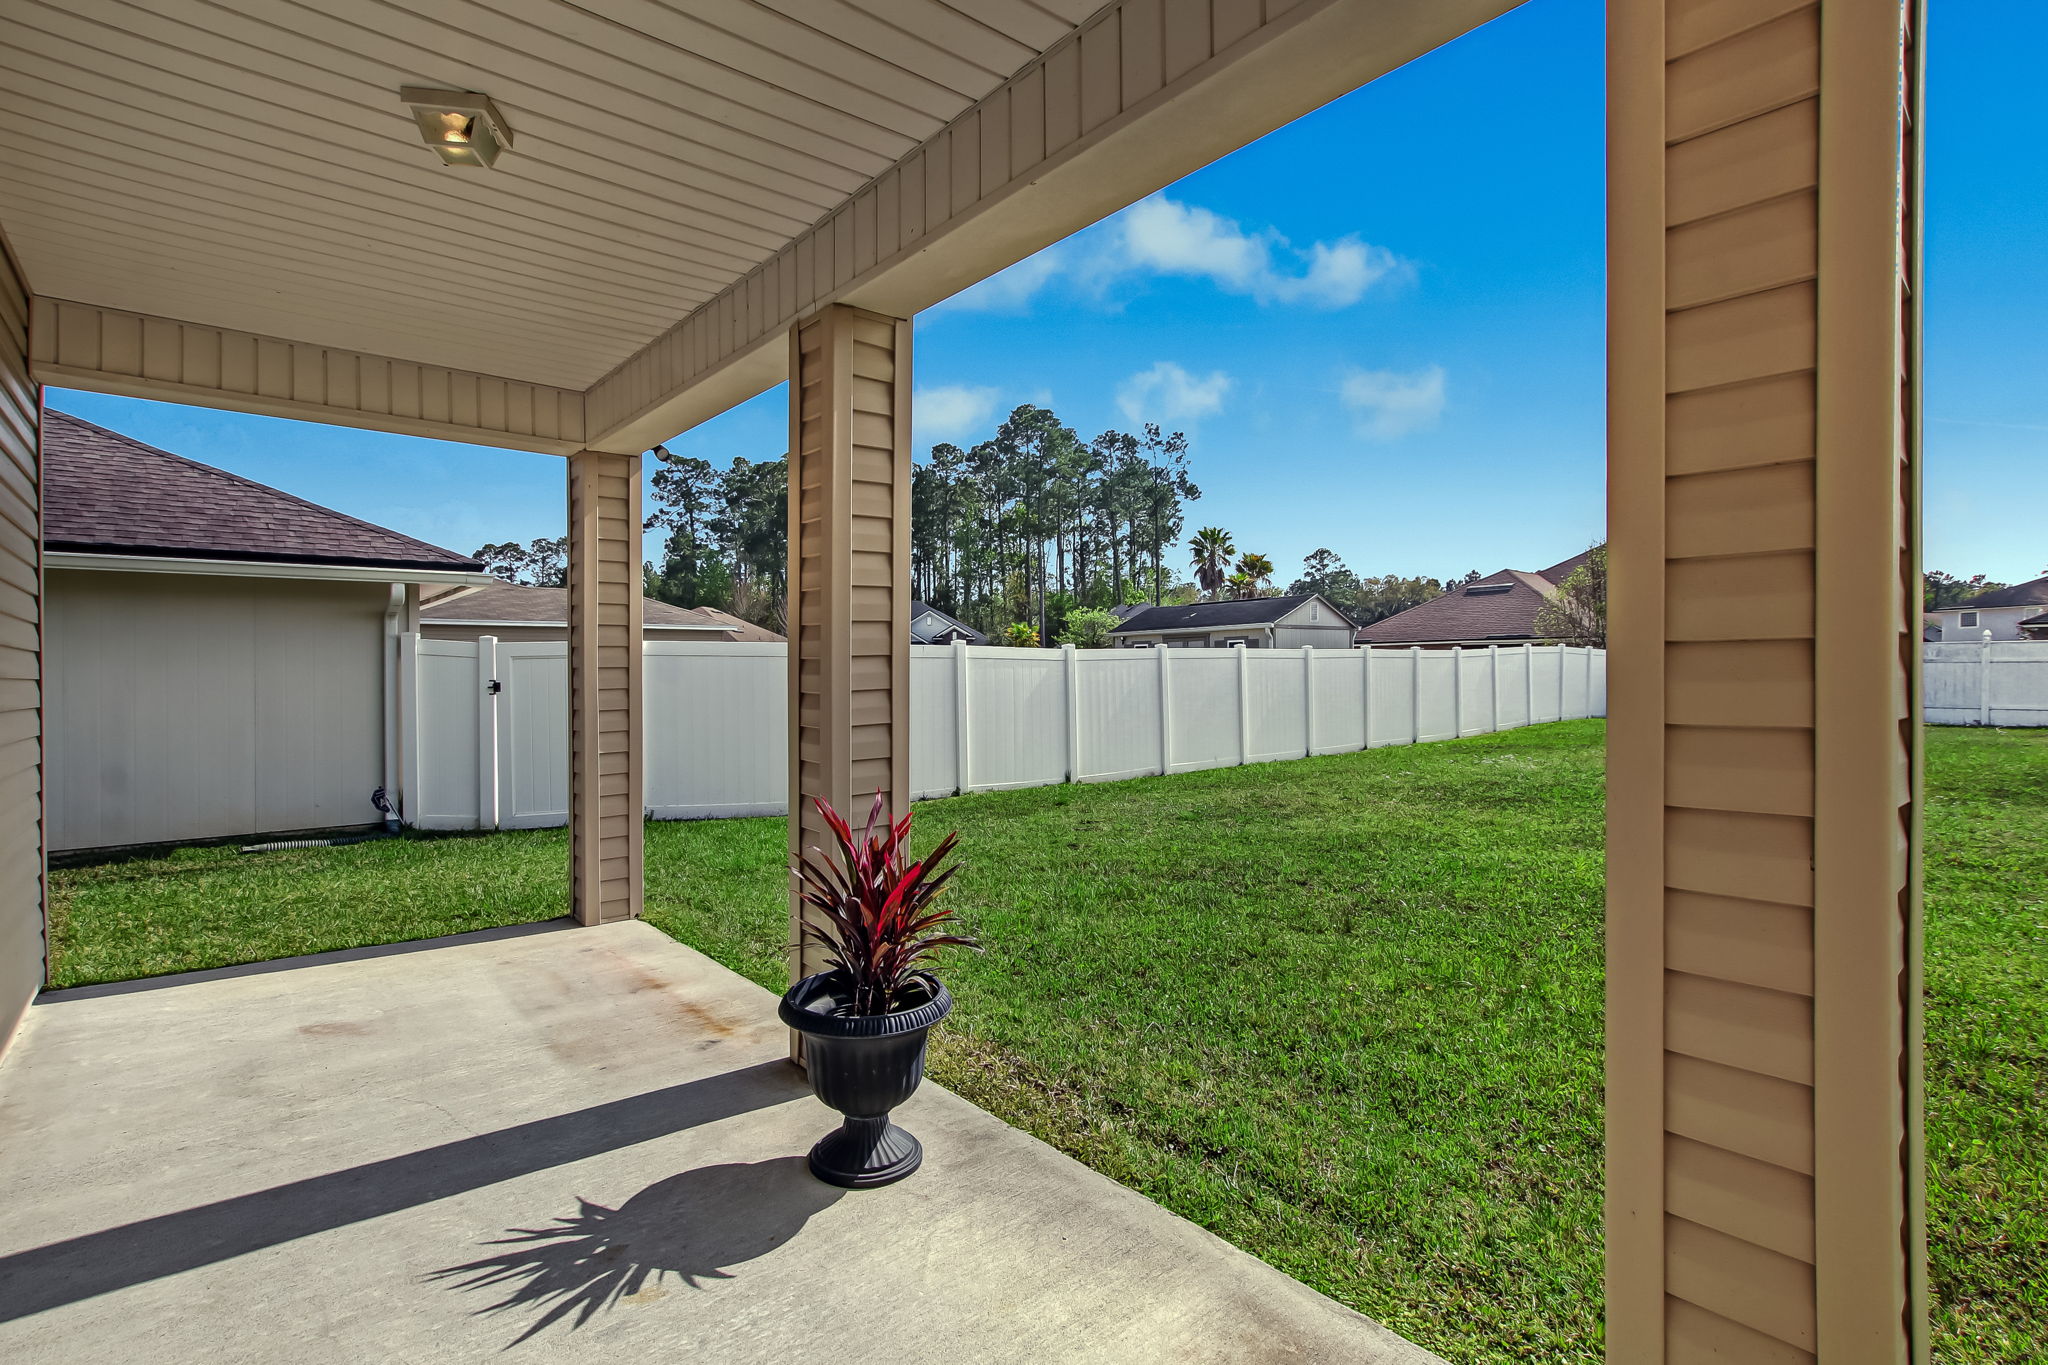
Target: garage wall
{"points": [[189, 707], [21, 759]]}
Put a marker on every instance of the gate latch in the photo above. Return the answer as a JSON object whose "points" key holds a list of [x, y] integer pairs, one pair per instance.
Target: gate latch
{"points": [[494, 687]]}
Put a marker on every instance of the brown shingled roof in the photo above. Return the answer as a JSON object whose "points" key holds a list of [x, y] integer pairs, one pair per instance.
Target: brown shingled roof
{"points": [[518, 605], [1464, 615], [105, 493]]}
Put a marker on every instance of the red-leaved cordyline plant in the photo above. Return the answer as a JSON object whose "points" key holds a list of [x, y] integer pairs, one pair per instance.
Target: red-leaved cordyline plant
{"points": [[875, 919]]}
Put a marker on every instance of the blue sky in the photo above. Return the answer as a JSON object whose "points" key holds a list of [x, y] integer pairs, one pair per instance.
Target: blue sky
{"points": [[1402, 363]]}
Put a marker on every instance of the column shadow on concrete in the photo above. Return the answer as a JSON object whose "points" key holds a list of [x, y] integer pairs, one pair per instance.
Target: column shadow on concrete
{"points": [[77, 1268], [691, 1226]]}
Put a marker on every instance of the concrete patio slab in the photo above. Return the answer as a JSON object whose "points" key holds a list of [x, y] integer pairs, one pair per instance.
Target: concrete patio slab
{"points": [[572, 1144]]}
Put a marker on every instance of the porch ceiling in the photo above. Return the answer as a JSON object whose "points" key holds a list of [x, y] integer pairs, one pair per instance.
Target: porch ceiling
{"points": [[225, 203], [246, 164]]}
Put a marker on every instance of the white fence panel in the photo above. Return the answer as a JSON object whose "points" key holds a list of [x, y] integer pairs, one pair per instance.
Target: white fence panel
{"points": [[1513, 664], [717, 716], [1016, 717], [1474, 683], [1391, 706], [935, 722], [1436, 694], [717, 732], [1337, 692], [1278, 703], [1202, 708], [1117, 692], [2002, 682]]}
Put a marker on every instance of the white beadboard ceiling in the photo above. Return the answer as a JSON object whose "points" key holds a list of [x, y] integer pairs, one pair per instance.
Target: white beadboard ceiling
{"points": [[247, 164]]}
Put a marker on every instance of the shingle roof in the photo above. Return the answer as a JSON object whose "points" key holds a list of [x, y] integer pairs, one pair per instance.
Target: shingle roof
{"points": [[2031, 594], [517, 604], [923, 633], [744, 631], [1463, 615], [1559, 572], [1250, 611], [107, 493], [1459, 615]]}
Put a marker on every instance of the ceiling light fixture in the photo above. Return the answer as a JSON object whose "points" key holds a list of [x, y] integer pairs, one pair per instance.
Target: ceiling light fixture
{"points": [[463, 127]]}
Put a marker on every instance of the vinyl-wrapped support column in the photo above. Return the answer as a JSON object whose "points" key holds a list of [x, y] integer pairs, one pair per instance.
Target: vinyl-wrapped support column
{"points": [[606, 765], [849, 589], [1763, 1002]]}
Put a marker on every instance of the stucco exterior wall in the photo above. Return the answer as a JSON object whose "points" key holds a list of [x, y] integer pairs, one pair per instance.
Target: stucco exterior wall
{"points": [[189, 707]]}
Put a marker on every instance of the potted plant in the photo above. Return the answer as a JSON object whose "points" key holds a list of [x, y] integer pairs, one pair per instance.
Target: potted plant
{"points": [[865, 1018]]}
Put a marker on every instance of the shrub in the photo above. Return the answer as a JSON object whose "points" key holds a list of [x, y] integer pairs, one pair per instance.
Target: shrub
{"points": [[876, 904]]}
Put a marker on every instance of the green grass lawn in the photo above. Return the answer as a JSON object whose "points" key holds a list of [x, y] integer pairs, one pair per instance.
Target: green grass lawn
{"points": [[1343, 1011]]}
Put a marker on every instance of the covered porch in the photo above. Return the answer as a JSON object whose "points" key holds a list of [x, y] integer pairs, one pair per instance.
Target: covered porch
{"points": [[584, 1142], [690, 204]]}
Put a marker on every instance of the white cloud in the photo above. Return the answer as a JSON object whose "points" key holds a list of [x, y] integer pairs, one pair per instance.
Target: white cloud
{"points": [[951, 411], [1385, 404], [1168, 393], [1162, 236], [1171, 238]]}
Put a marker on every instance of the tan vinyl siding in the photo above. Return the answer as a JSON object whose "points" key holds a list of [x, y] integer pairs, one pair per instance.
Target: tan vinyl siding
{"points": [[21, 729], [849, 528], [1727, 685], [606, 768], [109, 351]]}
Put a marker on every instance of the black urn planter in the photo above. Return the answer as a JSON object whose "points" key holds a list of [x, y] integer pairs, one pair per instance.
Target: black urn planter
{"points": [[863, 1065]]}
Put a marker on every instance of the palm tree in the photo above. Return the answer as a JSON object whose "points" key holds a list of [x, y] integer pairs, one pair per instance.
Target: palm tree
{"points": [[1259, 570], [1242, 586], [1212, 551]]}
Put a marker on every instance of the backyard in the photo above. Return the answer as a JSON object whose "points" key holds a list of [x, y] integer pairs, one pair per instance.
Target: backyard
{"points": [[1343, 1011]]}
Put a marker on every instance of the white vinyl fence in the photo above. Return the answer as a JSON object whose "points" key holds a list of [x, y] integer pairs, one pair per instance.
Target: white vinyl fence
{"points": [[716, 717], [1997, 682]]}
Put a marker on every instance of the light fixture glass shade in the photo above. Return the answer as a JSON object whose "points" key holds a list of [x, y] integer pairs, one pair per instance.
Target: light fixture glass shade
{"points": [[463, 127]]}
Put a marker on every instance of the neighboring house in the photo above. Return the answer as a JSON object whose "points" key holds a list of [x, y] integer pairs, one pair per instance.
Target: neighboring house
{"points": [[219, 656], [1500, 607], [1255, 622], [930, 626], [517, 613], [2016, 613]]}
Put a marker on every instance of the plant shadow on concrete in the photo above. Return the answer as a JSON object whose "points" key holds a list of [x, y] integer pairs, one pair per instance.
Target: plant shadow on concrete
{"points": [[692, 1226]]}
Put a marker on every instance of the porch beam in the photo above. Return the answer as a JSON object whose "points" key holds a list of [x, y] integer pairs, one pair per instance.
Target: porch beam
{"points": [[1141, 95], [607, 783], [135, 355], [849, 577]]}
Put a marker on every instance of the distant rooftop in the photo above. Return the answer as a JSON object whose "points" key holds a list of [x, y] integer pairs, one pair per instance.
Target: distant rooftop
{"points": [[1501, 606], [1248, 611]]}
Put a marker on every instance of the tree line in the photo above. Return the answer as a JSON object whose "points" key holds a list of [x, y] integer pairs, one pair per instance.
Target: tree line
{"points": [[1030, 535], [1036, 523]]}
